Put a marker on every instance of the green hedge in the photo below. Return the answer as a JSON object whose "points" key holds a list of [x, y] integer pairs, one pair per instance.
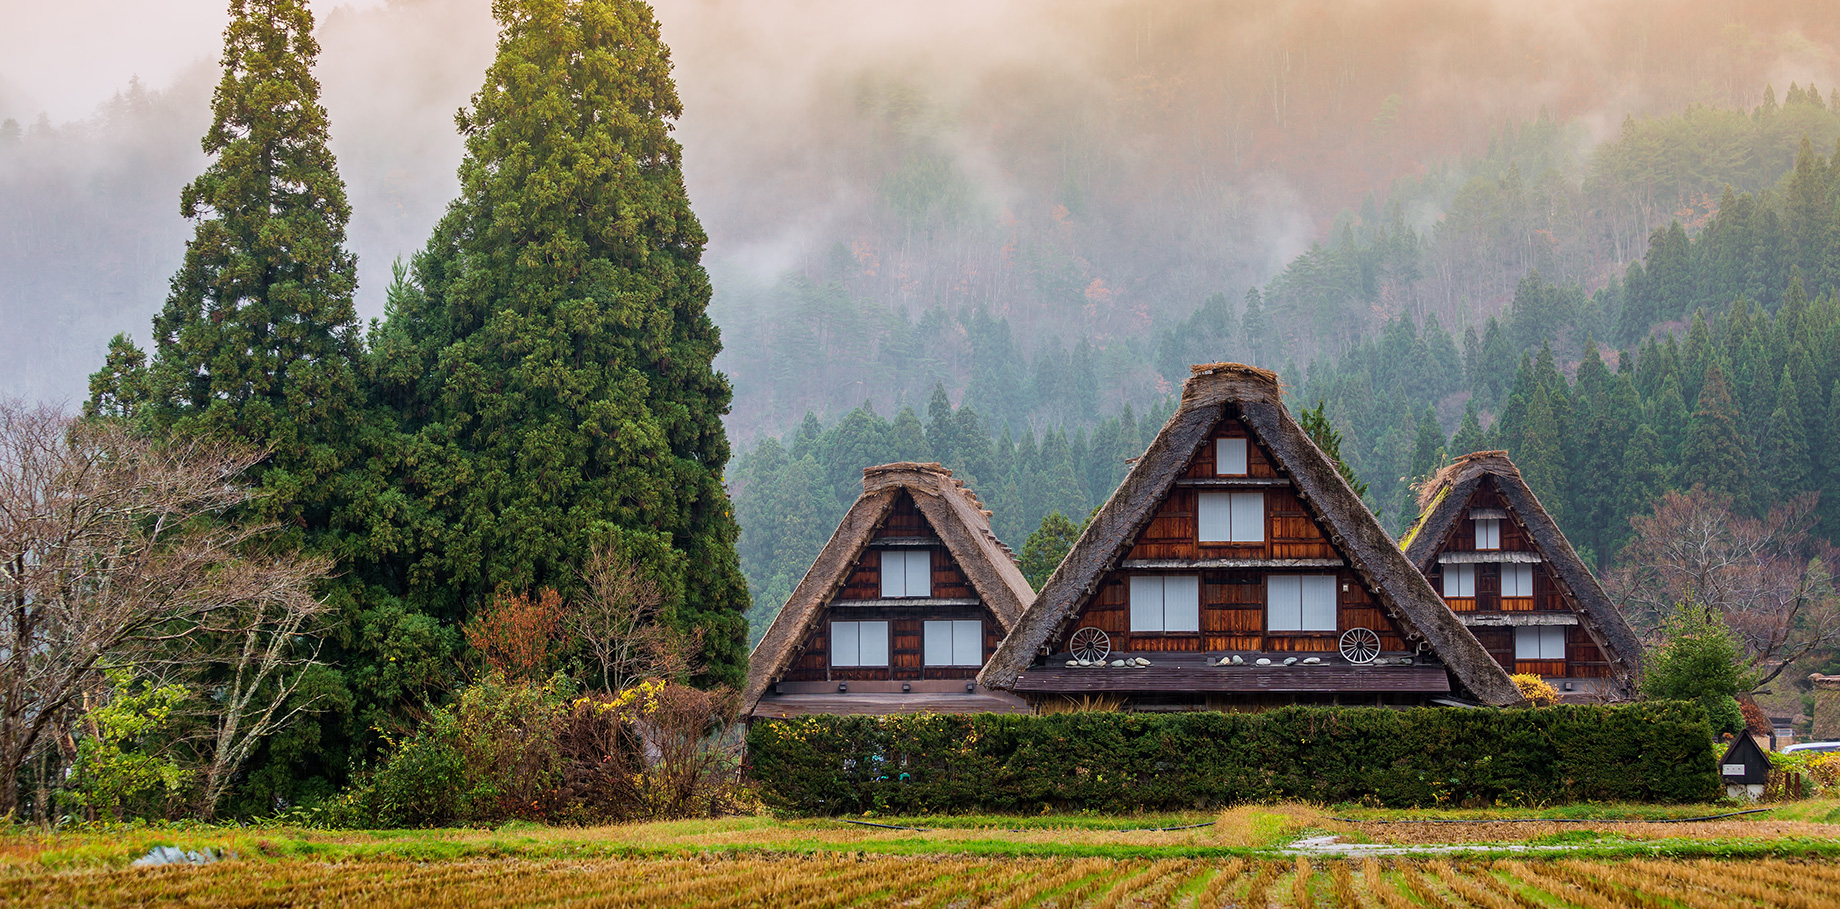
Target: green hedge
{"points": [[1649, 752]]}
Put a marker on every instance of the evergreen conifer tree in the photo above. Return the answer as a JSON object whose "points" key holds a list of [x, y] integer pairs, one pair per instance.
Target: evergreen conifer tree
{"points": [[258, 340], [555, 366], [1714, 452], [1783, 464], [1469, 435], [1540, 458], [1047, 546], [1645, 477]]}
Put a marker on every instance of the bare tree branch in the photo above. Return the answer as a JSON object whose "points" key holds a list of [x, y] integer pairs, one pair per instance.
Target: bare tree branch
{"points": [[114, 550], [1766, 578]]}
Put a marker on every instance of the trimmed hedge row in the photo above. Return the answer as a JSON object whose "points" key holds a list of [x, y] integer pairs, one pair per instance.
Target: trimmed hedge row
{"points": [[826, 765]]}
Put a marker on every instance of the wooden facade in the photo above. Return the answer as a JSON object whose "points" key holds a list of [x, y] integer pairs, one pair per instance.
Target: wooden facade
{"points": [[860, 600], [899, 611], [1235, 569], [1507, 572], [1233, 576]]}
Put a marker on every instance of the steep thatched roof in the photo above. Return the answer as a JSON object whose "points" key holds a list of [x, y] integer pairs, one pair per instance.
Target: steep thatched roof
{"points": [[1255, 395], [954, 513], [1443, 501]]}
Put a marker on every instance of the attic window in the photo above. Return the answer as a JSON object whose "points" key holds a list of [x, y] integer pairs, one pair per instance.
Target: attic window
{"points": [[1517, 580], [1296, 602], [859, 644], [957, 642], [1459, 580], [1539, 642], [1166, 603], [1488, 533], [1230, 457], [1231, 517], [907, 573]]}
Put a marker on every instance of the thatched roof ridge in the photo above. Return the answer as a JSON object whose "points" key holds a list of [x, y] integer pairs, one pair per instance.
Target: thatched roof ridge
{"points": [[1448, 494], [1257, 397], [955, 514]]}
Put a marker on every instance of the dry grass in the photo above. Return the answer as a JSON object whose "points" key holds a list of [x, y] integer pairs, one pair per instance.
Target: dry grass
{"points": [[1427, 834], [922, 882], [1266, 825]]}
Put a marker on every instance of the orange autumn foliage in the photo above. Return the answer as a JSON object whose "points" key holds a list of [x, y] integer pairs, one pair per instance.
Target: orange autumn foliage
{"points": [[518, 634]]}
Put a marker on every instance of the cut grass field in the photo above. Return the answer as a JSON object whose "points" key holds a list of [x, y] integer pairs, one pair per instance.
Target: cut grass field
{"points": [[1249, 856]]}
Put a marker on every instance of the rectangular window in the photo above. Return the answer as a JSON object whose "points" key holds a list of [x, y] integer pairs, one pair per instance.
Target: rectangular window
{"points": [[1231, 517], [859, 644], [907, 573], [1300, 602], [955, 643], [1459, 580], [1230, 458], [1166, 603], [1517, 580], [1488, 533], [1539, 642]]}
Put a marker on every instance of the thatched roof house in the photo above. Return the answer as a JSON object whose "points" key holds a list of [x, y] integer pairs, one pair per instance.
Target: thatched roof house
{"points": [[900, 609], [1235, 568], [1487, 544]]}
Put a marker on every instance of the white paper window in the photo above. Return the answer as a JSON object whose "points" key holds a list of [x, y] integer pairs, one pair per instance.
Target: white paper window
{"points": [[1231, 517], [955, 643], [1539, 642], [907, 573], [1517, 580], [859, 644], [1300, 602], [1488, 533], [1166, 603], [1230, 457], [1459, 580]]}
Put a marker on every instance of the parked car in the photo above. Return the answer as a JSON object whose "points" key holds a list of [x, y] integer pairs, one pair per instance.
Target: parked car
{"points": [[1812, 746]]}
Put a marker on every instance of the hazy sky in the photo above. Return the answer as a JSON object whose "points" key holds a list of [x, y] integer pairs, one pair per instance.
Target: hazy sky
{"points": [[67, 56], [1148, 151]]}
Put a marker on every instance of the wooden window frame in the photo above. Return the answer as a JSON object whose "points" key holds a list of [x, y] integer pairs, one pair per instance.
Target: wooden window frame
{"points": [[1162, 606], [1488, 534], [1458, 573], [955, 626], [1302, 627], [857, 627], [905, 558], [1238, 505], [1543, 632], [1243, 458]]}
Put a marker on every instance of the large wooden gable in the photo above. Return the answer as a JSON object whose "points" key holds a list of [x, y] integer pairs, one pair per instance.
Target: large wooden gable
{"points": [[1508, 572], [899, 611], [905, 537], [1235, 537], [1234, 577]]}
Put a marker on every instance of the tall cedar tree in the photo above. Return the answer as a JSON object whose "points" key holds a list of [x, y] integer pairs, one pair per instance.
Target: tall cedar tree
{"points": [[554, 357], [1714, 454], [258, 341]]}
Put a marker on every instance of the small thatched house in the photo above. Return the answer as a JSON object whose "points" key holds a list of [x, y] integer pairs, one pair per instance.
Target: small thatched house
{"points": [[899, 611], [1234, 568], [1511, 576]]}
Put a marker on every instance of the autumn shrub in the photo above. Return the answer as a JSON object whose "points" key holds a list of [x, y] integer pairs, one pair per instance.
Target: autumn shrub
{"points": [[519, 634], [1536, 690], [508, 750]]}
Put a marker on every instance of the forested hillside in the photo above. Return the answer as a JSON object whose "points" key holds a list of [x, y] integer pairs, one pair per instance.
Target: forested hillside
{"points": [[1739, 399], [1539, 198]]}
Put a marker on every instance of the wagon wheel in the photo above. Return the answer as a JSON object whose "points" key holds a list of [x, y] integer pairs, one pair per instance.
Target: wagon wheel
{"points": [[1360, 645], [1090, 643]]}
